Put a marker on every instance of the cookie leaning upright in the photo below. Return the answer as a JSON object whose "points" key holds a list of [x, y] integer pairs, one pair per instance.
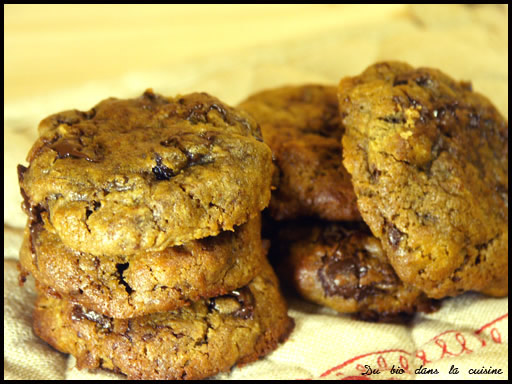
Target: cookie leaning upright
{"points": [[301, 125], [147, 173], [429, 164]]}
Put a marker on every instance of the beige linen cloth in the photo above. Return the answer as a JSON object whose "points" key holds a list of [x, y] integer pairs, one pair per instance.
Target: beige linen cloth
{"points": [[469, 332]]}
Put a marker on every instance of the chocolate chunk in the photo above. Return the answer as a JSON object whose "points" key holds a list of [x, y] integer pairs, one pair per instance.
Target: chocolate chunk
{"points": [[25, 205], [33, 212], [21, 172], [352, 272], [161, 171], [238, 303], [394, 235], [78, 314], [339, 277], [66, 148], [190, 146], [246, 301], [96, 204]]}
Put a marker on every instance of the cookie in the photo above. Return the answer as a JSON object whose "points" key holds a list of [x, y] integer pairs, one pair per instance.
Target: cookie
{"points": [[429, 163], [343, 266], [147, 173], [201, 340], [301, 125], [147, 282]]}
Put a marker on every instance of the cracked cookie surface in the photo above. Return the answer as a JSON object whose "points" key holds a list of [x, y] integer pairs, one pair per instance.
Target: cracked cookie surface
{"points": [[301, 124], [146, 173], [147, 282], [429, 164], [343, 266], [194, 342]]}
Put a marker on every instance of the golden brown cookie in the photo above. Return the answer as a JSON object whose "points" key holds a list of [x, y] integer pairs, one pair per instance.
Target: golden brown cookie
{"points": [[429, 164], [147, 173], [127, 286], [301, 125], [343, 266], [194, 342]]}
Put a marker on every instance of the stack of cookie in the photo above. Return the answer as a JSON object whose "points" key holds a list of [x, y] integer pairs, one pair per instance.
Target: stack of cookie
{"points": [[420, 211], [144, 237]]}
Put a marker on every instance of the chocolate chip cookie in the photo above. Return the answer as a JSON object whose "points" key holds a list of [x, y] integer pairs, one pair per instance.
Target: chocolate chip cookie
{"points": [[429, 163], [194, 342], [147, 173], [343, 266], [301, 125], [146, 282]]}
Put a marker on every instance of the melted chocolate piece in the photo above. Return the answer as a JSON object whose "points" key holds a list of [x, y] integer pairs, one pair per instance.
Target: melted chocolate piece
{"points": [[66, 148], [204, 139], [34, 213], [198, 113], [339, 277], [78, 314], [245, 300], [394, 235], [25, 205], [161, 171], [353, 273], [344, 278]]}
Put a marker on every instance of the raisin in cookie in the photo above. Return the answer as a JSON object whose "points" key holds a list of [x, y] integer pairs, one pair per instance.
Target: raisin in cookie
{"points": [[146, 282], [193, 342], [301, 125], [429, 164], [146, 173], [343, 266]]}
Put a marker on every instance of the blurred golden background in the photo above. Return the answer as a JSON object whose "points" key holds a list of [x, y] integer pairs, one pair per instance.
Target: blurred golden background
{"points": [[52, 46], [64, 47]]}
